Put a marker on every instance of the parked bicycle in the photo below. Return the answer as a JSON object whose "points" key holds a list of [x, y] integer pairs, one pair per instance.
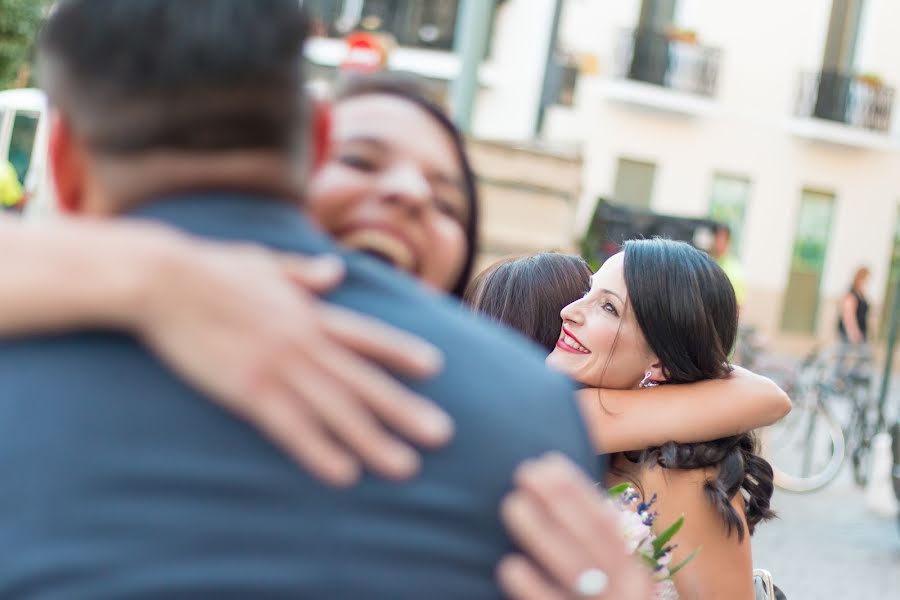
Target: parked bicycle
{"points": [[833, 417]]}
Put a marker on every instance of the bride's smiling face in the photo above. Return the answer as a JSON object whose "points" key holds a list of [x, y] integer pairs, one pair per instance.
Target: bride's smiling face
{"points": [[601, 344]]}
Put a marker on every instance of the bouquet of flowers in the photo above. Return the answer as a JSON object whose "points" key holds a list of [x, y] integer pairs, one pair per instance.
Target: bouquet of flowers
{"points": [[654, 549]]}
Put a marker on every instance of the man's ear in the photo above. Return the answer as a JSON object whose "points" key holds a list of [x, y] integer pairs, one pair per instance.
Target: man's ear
{"points": [[66, 165], [321, 134]]}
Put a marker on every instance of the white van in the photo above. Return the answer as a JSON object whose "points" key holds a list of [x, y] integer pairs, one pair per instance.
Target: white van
{"points": [[24, 136]]}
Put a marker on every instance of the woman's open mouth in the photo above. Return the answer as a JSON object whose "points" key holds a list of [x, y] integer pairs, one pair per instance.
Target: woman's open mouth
{"points": [[384, 245], [570, 343]]}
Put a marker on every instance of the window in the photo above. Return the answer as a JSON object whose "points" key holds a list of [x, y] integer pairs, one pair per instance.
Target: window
{"points": [[634, 183], [890, 301], [728, 204], [801, 301], [418, 23], [21, 142]]}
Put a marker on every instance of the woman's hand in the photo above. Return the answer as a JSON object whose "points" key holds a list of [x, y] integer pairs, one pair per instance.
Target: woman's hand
{"points": [[243, 324], [562, 521], [240, 323]]}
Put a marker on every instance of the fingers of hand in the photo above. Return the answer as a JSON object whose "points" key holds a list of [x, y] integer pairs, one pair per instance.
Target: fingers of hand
{"points": [[350, 420], [409, 414], [520, 579], [292, 428], [316, 274], [390, 347], [574, 502], [551, 546]]}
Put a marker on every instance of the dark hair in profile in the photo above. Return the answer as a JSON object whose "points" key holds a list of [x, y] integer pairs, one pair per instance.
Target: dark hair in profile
{"points": [[687, 311], [527, 293], [411, 89], [197, 75]]}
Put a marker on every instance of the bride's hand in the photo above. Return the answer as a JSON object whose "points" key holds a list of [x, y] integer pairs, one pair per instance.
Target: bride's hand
{"points": [[563, 523]]}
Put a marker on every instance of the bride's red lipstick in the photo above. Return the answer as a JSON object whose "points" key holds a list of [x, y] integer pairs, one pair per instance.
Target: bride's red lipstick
{"points": [[562, 345]]}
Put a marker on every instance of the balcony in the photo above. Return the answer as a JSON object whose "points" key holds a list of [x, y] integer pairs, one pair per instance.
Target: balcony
{"points": [[668, 72], [844, 110]]}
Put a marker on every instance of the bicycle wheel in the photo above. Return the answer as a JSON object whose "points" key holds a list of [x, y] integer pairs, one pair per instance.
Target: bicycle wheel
{"points": [[806, 448]]}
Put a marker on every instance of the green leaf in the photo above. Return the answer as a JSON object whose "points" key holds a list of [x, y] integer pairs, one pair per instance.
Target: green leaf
{"points": [[683, 563], [618, 490], [648, 560], [662, 539]]}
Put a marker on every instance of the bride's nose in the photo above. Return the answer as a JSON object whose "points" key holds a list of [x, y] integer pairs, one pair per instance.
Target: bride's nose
{"points": [[572, 313]]}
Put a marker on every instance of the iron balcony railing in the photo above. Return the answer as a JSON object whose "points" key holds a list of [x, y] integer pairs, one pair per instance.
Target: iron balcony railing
{"points": [[846, 98], [662, 59]]}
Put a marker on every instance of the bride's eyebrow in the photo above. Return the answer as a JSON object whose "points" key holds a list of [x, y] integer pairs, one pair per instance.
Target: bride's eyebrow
{"points": [[612, 293], [604, 290]]}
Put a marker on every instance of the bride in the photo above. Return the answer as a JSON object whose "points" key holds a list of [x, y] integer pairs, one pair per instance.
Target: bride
{"points": [[662, 312]]}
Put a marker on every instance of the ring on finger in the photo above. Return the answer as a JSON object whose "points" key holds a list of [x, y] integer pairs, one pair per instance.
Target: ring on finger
{"points": [[591, 582]]}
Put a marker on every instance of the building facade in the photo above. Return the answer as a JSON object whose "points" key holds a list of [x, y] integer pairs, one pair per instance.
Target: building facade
{"points": [[775, 117]]}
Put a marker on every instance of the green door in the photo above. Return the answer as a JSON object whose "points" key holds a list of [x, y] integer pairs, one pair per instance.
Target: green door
{"points": [[801, 299]]}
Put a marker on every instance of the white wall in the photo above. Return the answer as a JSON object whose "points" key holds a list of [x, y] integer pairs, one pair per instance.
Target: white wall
{"points": [[508, 109]]}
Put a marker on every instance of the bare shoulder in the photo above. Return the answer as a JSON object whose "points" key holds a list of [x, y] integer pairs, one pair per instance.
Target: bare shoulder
{"points": [[724, 565]]}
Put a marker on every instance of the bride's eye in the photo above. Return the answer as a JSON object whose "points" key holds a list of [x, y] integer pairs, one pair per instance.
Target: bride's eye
{"points": [[608, 307]]}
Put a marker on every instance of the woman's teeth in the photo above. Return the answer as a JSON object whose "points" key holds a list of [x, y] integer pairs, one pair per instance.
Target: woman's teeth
{"points": [[383, 245], [570, 341]]}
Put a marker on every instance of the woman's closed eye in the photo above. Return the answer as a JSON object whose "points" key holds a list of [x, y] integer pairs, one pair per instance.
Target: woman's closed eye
{"points": [[450, 208], [358, 161]]}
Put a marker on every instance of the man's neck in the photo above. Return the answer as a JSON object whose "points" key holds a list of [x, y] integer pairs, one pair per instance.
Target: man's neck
{"points": [[125, 184]]}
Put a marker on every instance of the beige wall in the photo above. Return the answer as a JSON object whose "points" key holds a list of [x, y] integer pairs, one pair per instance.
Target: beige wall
{"points": [[528, 198]]}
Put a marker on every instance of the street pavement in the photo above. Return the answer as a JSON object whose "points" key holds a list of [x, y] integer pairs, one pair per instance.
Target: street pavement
{"points": [[826, 545]]}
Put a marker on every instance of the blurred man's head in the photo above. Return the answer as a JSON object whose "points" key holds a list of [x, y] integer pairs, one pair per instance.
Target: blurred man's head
{"points": [[162, 96], [721, 241]]}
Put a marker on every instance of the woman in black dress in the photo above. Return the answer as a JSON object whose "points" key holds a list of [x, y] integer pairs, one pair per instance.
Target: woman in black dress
{"points": [[852, 324]]}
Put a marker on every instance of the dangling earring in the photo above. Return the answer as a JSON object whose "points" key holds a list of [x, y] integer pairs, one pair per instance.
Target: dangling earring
{"points": [[646, 382]]}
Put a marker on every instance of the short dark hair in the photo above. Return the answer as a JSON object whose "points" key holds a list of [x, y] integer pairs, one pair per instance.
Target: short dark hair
{"points": [[686, 308], [197, 75], [411, 89], [527, 293]]}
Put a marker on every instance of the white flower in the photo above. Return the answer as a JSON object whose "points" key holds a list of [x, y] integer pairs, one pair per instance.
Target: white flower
{"points": [[635, 533]]}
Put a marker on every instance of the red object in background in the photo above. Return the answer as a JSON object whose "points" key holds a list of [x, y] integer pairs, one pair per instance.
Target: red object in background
{"points": [[366, 53]]}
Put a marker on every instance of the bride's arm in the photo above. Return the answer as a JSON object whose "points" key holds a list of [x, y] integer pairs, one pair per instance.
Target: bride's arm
{"points": [[240, 323], [622, 420]]}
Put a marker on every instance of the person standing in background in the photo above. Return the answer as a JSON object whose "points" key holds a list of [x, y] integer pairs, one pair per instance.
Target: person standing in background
{"points": [[10, 189], [721, 251], [852, 323]]}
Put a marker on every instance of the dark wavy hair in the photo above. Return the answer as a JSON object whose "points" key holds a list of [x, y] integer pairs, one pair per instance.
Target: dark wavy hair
{"points": [[528, 292], [411, 89], [686, 308]]}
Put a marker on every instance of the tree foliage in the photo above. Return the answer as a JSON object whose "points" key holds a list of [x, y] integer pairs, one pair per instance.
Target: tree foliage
{"points": [[19, 22]]}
